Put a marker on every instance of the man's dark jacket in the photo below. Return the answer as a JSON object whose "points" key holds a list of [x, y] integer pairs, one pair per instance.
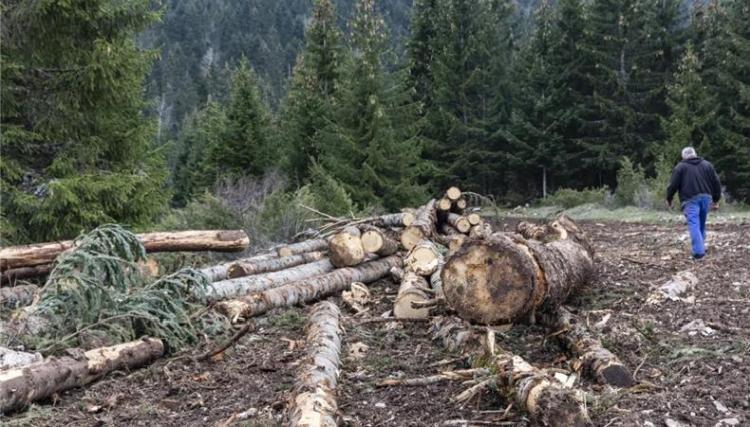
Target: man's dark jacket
{"points": [[692, 177]]}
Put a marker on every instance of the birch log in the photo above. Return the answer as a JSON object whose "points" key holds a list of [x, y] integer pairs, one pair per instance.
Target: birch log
{"points": [[308, 290], [345, 248], [505, 278], [240, 286], [193, 240], [249, 268], [221, 271], [375, 241], [302, 247], [414, 288], [314, 404], [453, 193], [398, 220], [422, 228], [22, 386], [459, 222], [423, 259]]}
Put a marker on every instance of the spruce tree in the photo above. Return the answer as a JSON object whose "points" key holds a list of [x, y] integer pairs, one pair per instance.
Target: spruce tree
{"points": [[371, 145], [314, 80], [76, 146], [246, 148], [421, 48]]}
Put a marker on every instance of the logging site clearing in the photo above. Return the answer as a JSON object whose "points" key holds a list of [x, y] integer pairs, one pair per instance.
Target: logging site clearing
{"points": [[432, 316]]}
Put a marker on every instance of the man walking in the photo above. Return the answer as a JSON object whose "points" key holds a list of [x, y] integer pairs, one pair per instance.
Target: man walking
{"points": [[699, 186]]}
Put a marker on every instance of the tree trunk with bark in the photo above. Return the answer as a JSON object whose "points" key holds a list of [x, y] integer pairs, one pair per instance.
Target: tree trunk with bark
{"points": [[193, 240], [307, 290], [375, 241], [232, 288], [249, 268], [302, 247], [397, 220], [505, 278], [459, 222], [17, 296], [221, 271], [481, 231], [22, 386], [14, 274], [423, 259], [314, 402], [414, 288], [345, 248], [594, 360], [422, 228]]}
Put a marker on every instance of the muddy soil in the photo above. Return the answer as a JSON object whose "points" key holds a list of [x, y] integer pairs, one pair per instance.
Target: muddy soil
{"points": [[685, 376]]}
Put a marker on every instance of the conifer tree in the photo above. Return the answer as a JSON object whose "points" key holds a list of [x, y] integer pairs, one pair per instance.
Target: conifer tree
{"points": [[246, 148], [314, 80], [421, 48], [76, 147], [371, 145]]}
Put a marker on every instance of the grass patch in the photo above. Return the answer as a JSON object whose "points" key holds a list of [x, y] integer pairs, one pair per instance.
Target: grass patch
{"points": [[290, 320]]}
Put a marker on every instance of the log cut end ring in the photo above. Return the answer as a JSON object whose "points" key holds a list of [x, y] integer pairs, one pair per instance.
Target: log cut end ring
{"points": [[492, 281]]}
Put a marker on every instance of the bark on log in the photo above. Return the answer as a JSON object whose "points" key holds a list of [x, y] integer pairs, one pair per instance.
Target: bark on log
{"points": [[22, 386], [249, 268], [413, 289], [595, 361], [193, 240], [504, 278], [15, 359], [453, 193], [398, 220], [307, 290], [345, 248], [459, 222], [17, 296], [14, 274], [240, 286], [436, 281], [314, 404], [302, 247], [481, 231], [221, 271], [377, 242], [423, 259], [422, 228]]}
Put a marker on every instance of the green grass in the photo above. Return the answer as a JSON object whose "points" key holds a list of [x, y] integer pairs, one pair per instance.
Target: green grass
{"points": [[596, 212]]}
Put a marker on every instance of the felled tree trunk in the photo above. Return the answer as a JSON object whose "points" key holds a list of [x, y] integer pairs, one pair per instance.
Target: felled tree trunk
{"points": [[302, 247], [436, 281], [414, 288], [308, 290], [422, 228], [193, 240], [345, 248], [595, 361], [21, 273], [17, 296], [377, 242], [423, 259], [504, 278], [314, 403], [249, 268], [240, 286], [402, 219], [221, 271], [22, 386], [459, 222]]}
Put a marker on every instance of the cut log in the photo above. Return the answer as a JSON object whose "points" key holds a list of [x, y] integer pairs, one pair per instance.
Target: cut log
{"points": [[453, 193], [459, 222], [397, 274], [460, 205], [422, 228], [504, 278], [398, 220], [539, 394], [474, 218], [413, 289], [314, 403], [444, 204], [457, 375], [14, 274], [22, 386], [15, 359], [249, 268], [449, 230], [240, 286], [302, 247], [345, 248], [481, 231], [376, 242], [193, 240], [594, 360], [308, 290], [436, 281], [221, 271], [17, 296], [423, 259]]}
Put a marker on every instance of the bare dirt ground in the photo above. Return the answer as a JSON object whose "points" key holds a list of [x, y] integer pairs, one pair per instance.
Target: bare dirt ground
{"points": [[684, 377]]}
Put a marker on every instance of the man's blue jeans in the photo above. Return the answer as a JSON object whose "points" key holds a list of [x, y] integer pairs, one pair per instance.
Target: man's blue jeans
{"points": [[696, 212]]}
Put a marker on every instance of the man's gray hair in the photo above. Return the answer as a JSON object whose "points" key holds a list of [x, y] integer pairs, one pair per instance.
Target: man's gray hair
{"points": [[688, 153]]}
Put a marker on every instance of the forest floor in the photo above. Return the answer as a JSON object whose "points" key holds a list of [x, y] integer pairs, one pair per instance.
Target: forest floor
{"points": [[684, 377]]}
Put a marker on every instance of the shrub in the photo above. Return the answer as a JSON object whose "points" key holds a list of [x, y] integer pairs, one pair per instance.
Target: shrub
{"points": [[328, 193], [570, 198], [630, 180]]}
